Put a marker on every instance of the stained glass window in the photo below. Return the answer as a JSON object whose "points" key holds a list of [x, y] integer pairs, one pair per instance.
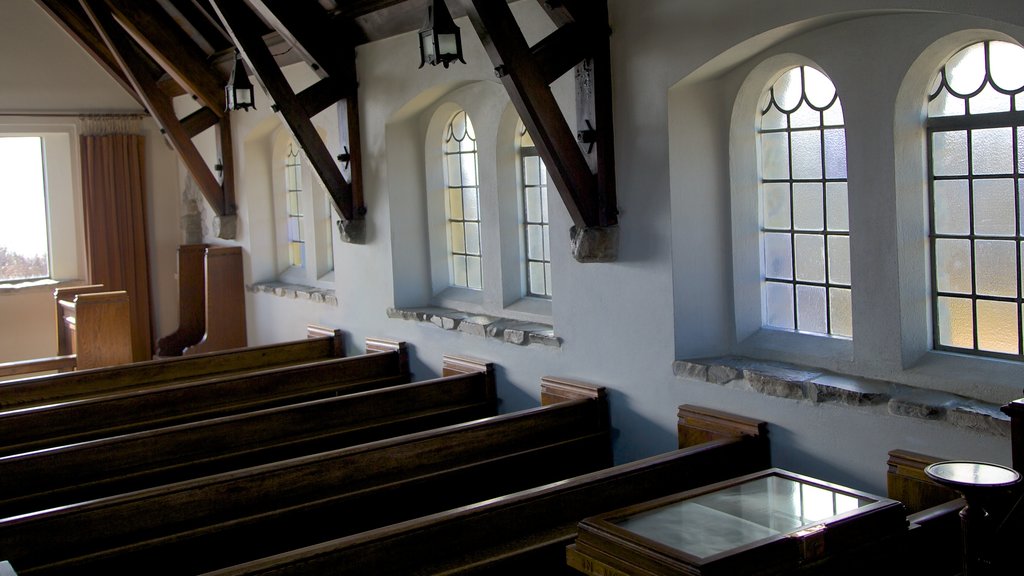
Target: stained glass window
{"points": [[535, 227], [805, 232], [463, 202], [976, 162]]}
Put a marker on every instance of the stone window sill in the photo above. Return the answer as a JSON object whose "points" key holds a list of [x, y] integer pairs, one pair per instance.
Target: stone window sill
{"points": [[41, 285], [508, 330], [818, 386], [296, 291]]}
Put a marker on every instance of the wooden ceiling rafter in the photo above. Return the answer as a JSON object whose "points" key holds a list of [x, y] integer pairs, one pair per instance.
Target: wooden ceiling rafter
{"points": [[581, 166], [137, 64], [242, 23]]}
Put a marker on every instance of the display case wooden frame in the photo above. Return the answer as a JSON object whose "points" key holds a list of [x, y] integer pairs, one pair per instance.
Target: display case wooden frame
{"points": [[605, 547]]}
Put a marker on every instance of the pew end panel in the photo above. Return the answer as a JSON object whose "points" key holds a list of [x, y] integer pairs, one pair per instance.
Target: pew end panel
{"points": [[554, 390], [1015, 410], [65, 338], [191, 302], [314, 331], [452, 365], [907, 482], [385, 345], [697, 425], [225, 301], [99, 328]]}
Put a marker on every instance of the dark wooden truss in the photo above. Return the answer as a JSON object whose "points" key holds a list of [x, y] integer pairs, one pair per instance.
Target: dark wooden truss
{"points": [[159, 49]]}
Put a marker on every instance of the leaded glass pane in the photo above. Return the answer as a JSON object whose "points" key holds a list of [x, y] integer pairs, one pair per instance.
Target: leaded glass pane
{"points": [[531, 164], [956, 322], [835, 153], [806, 155], [536, 276], [953, 265], [455, 204], [839, 260], [788, 90], [470, 204], [296, 253], [840, 311], [778, 256], [808, 206], [995, 268], [997, 327], [458, 236], [990, 100], [535, 243], [775, 155], [468, 169], [834, 115], [811, 309], [838, 207], [965, 71], [949, 153], [805, 117], [992, 150], [474, 275], [455, 170], [946, 104], [537, 260], [952, 207], [776, 206], [779, 305], [295, 228], [463, 202], [773, 119], [994, 208], [533, 205], [818, 88], [810, 258], [472, 238], [1005, 65], [459, 276]]}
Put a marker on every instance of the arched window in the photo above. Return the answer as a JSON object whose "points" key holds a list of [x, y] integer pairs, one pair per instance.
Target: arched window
{"points": [[805, 233], [293, 206], [463, 206], [975, 132], [535, 224]]}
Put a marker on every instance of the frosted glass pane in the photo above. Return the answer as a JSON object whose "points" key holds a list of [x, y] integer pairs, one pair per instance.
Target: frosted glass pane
{"points": [[805, 117], [776, 206], [808, 206], [810, 307], [534, 243], [454, 171], [547, 274], [806, 155], [536, 274], [994, 213], [547, 242], [949, 153], [455, 203], [470, 204], [834, 115], [818, 88], [533, 205], [946, 104], [532, 170], [989, 100], [451, 145], [467, 146], [839, 260], [778, 257], [473, 275], [838, 207], [472, 238], [295, 228], [773, 119], [835, 153], [953, 265], [965, 71], [952, 211], [1019, 100], [459, 271], [997, 326], [841, 311], [956, 322], [778, 305], [459, 125], [293, 204], [1020, 142], [775, 156], [291, 177], [992, 150], [995, 267], [810, 258], [458, 237], [1004, 61], [789, 89], [469, 170], [544, 202]]}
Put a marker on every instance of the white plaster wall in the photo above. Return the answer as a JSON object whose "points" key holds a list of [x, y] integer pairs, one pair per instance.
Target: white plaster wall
{"points": [[669, 293], [44, 72]]}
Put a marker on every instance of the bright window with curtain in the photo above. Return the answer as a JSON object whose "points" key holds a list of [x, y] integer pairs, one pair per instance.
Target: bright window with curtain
{"points": [[805, 233], [535, 225], [463, 203], [24, 235], [293, 190], [976, 160]]}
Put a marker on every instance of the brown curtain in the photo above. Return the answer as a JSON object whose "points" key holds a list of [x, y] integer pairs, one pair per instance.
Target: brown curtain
{"points": [[113, 191]]}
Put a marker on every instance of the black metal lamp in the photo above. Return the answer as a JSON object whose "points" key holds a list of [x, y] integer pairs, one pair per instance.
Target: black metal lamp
{"points": [[238, 94], [440, 39]]}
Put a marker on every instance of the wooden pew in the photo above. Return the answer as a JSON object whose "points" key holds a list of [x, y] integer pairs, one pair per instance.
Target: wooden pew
{"points": [[88, 470], [94, 326], [527, 532], [39, 390], [224, 318], [228, 518], [171, 403]]}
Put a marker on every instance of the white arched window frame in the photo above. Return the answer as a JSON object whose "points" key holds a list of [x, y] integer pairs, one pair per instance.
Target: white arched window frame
{"points": [[535, 223], [303, 217]]}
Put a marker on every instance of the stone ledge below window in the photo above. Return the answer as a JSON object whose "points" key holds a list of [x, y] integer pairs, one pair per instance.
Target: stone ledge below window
{"points": [[819, 386], [505, 329], [297, 291]]}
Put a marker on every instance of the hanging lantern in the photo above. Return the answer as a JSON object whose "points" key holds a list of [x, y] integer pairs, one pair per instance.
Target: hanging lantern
{"points": [[238, 94], [440, 38]]}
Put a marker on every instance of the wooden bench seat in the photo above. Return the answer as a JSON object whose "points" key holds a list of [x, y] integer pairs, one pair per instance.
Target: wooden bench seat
{"points": [[33, 391], [166, 404], [527, 532], [88, 470], [226, 519]]}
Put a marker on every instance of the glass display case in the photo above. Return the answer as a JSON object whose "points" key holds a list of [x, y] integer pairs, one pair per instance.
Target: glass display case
{"points": [[765, 523]]}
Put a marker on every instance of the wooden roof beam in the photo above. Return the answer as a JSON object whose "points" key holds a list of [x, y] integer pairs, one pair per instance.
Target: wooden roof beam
{"points": [[582, 166], [243, 25], [174, 50], [133, 60]]}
